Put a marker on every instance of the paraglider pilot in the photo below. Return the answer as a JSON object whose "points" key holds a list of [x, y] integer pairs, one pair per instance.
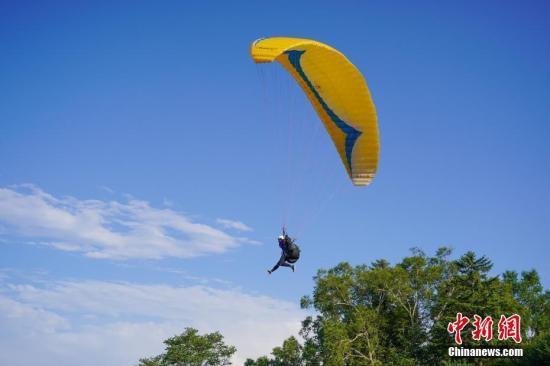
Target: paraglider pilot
{"points": [[290, 252]]}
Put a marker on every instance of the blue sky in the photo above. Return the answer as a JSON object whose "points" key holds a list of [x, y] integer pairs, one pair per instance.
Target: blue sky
{"points": [[138, 138]]}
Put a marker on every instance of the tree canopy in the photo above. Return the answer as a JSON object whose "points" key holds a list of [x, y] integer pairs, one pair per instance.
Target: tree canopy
{"points": [[193, 349], [383, 314], [380, 314]]}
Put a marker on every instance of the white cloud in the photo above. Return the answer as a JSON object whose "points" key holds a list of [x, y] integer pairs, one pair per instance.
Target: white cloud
{"points": [[109, 229], [232, 224], [107, 189], [110, 323]]}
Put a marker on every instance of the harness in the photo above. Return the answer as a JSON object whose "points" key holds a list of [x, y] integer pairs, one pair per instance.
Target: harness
{"points": [[291, 250]]}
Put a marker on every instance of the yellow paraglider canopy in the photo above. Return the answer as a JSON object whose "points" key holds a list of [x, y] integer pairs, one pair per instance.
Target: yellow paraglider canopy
{"points": [[339, 94]]}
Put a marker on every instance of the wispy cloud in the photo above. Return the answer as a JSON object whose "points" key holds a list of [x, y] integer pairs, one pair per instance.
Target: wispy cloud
{"points": [[232, 224], [107, 189], [108, 229], [88, 323]]}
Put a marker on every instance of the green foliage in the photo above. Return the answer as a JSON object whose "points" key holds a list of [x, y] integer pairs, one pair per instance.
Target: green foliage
{"points": [[398, 315], [531, 295], [192, 349], [290, 354], [262, 361], [470, 290], [381, 314], [153, 361], [537, 352]]}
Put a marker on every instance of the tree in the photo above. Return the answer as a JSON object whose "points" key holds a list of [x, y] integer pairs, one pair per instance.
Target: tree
{"points": [[530, 294], [192, 349], [290, 354], [382, 314], [470, 290]]}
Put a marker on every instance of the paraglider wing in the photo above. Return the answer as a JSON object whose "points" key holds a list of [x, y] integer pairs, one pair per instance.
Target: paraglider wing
{"points": [[339, 94]]}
